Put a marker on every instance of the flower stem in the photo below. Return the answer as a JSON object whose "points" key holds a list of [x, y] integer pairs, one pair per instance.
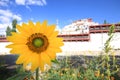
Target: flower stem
{"points": [[37, 74]]}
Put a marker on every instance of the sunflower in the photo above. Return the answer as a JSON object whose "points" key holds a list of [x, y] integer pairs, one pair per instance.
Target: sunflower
{"points": [[36, 44]]}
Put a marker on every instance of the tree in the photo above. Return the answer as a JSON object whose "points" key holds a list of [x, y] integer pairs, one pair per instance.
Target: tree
{"points": [[8, 31], [14, 22], [105, 22]]}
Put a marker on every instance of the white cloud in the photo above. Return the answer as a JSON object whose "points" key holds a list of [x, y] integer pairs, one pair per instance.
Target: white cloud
{"points": [[4, 2], [31, 2], [20, 2], [44, 1], [6, 13], [27, 3], [6, 17], [17, 17], [3, 28], [28, 8]]}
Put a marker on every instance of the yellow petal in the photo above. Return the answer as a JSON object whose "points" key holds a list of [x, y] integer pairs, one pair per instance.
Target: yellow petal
{"points": [[17, 38], [23, 30], [53, 35], [51, 54], [44, 23], [18, 49], [41, 63], [32, 27], [23, 58], [20, 59], [26, 62], [37, 27], [50, 30], [44, 26], [55, 50], [56, 43], [46, 58], [31, 24], [34, 61]]}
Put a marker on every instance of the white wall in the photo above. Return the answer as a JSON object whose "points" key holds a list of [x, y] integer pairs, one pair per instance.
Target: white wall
{"points": [[96, 43], [3, 49]]}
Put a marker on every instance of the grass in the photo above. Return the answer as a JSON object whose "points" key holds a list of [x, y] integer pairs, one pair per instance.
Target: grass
{"points": [[91, 69]]}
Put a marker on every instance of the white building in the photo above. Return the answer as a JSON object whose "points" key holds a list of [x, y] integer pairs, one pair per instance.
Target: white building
{"points": [[82, 37], [85, 36]]}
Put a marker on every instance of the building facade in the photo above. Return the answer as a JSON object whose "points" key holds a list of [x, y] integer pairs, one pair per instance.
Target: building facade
{"points": [[82, 37]]}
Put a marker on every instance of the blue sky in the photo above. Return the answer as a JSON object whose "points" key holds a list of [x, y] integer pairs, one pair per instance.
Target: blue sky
{"points": [[63, 11]]}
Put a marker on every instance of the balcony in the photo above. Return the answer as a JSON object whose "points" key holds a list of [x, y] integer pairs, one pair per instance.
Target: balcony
{"points": [[103, 28], [75, 37], [3, 39]]}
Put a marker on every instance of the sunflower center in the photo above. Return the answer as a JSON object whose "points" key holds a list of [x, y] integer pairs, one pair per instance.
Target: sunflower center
{"points": [[37, 42]]}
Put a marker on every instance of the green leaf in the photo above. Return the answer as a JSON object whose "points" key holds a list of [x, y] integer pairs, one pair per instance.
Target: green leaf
{"points": [[55, 61], [20, 76], [111, 30]]}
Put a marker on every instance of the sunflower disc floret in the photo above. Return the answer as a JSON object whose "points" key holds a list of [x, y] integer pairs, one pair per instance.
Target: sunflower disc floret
{"points": [[37, 42]]}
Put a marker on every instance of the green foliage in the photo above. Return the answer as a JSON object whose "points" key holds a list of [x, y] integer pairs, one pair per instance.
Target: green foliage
{"points": [[107, 47], [9, 30], [109, 68], [21, 74], [14, 22], [105, 22]]}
